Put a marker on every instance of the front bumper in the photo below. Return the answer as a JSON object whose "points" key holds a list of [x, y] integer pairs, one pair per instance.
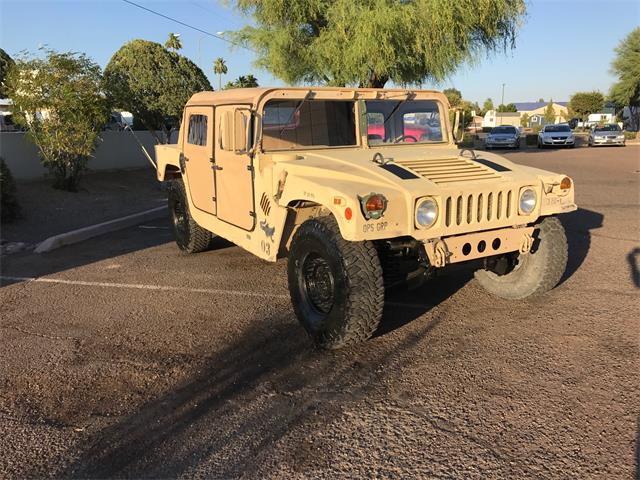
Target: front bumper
{"points": [[497, 144], [608, 141], [560, 141], [460, 248]]}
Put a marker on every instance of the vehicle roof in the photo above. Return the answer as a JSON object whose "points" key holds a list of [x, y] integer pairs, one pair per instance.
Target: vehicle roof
{"points": [[253, 95]]}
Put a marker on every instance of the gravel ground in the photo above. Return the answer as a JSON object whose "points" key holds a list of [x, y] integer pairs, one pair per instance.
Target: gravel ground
{"points": [[128, 359], [103, 196]]}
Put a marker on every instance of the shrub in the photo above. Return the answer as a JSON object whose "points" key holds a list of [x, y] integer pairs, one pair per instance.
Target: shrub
{"points": [[9, 208], [468, 141], [531, 139], [630, 135], [59, 100]]}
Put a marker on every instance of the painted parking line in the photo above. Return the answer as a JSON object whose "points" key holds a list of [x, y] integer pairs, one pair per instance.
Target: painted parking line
{"points": [[167, 288], [139, 286]]}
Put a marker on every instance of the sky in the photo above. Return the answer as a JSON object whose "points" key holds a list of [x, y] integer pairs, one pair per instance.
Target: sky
{"points": [[564, 46]]}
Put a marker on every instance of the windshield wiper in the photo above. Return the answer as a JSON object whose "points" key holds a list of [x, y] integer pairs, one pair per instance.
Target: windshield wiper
{"points": [[294, 113], [395, 109]]}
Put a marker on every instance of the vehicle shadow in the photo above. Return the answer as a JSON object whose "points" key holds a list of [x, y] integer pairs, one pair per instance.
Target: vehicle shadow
{"points": [[229, 417], [578, 226], [404, 305], [633, 257]]}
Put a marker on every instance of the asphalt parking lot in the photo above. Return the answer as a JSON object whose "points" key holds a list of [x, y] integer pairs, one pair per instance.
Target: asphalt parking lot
{"points": [[121, 357]]}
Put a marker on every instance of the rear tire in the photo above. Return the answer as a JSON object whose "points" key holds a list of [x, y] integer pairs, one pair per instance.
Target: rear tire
{"points": [[190, 237], [336, 286], [536, 272]]}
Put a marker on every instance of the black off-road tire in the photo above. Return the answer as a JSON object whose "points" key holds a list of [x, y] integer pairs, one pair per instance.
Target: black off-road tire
{"points": [[336, 286], [536, 272], [190, 237]]}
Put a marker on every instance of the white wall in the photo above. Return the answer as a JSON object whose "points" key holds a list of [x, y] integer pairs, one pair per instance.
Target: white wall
{"points": [[118, 150]]}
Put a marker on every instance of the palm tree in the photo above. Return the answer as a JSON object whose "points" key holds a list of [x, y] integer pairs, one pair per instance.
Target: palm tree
{"points": [[173, 42], [219, 68]]}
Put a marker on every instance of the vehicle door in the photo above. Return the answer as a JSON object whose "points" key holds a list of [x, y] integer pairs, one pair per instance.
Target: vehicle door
{"points": [[197, 148], [234, 167]]}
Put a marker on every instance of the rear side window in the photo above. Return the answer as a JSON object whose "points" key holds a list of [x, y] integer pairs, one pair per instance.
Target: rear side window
{"points": [[197, 130]]}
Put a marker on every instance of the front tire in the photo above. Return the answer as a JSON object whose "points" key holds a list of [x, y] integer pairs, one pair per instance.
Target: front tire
{"points": [[534, 273], [336, 286], [190, 237]]}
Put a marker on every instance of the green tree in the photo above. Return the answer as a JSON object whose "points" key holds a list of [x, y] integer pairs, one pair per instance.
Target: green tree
{"points": [[220, 68], [367, 43], [626, 68], [509, 107], [173, 42], [524, 120], [6, 63], [153, 83], [453, 95], [59, 99], [581, 104], [549, 113], [242, 81], [541, 100], [487, 105], [9, 207]]}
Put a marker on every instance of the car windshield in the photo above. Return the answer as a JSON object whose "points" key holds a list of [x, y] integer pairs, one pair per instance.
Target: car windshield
{"points": [[291, 125], [403, 121], [557, 128], [608, 128], [503, 130]]}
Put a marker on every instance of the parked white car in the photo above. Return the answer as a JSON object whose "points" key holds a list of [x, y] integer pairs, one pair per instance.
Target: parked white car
{"points": [[609, 134], [556, 135]]}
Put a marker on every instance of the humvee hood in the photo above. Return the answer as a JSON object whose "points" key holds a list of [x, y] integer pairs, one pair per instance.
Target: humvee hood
{"points": [[413, 167]]}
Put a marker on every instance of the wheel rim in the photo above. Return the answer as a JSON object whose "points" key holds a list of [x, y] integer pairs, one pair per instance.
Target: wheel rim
{"points": [[318, 283]]}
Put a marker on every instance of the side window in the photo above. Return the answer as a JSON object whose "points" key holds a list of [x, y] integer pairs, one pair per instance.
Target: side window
{"points": [[197, 134]]}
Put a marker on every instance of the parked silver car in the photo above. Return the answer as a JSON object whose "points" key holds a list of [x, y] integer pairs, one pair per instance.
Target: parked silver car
{"points": [[609, 134], [503, 136], [556, 135]]}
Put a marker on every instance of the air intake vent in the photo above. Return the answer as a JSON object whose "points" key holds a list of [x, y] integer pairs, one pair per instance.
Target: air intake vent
{"points": [[265, 204], [450, 170]]}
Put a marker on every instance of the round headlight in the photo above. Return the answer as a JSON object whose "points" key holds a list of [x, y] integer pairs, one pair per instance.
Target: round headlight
{"points": [[426, 213], [527, 201]]}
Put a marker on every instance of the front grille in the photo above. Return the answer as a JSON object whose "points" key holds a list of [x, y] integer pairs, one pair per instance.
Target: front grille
{"points": [[450, 170], [480, 208]]}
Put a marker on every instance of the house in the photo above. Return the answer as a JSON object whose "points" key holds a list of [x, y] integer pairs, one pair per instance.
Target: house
{"points": [[538, 108], [494, 118]]}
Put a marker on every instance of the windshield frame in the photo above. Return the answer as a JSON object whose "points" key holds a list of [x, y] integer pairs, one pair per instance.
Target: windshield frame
{"points": [[357, 95]]}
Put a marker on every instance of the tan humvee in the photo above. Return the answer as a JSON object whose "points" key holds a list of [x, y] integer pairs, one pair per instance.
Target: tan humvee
{"points": [[360, 189]]}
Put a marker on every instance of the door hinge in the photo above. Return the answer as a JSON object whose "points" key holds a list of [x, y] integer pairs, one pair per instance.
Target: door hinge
{"points": [[182, 163], [252, 214], [250, 168], [216, 167], [214, 199]]}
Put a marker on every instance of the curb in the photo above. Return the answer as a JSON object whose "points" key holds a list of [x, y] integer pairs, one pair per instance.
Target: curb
{"points": [[75, 236]]}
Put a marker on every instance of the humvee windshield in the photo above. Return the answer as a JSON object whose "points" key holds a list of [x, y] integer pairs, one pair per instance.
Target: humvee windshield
{"points": [[296, 124], [398, 121]]}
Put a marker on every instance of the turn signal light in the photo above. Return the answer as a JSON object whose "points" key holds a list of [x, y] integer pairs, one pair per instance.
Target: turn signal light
{"points": [[565, 184], [373, 205]]}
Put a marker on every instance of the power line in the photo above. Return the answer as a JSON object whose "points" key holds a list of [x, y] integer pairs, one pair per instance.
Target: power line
{"points": [[190, 26]]}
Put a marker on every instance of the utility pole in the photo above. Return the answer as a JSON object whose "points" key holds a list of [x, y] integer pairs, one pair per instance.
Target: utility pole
{"points": [[502, 103]]}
